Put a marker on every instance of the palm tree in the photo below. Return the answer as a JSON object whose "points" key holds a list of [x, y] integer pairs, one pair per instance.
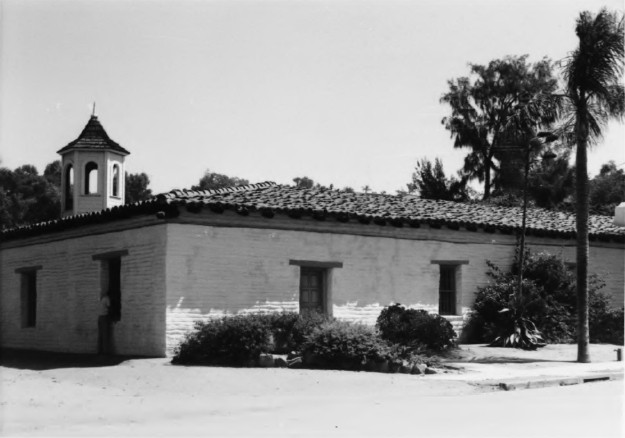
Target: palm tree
{"points": [[593, 95]]}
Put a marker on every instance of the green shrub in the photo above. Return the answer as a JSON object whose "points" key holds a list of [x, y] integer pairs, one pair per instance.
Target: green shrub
{"points": [[415, 329], [238, 340], [232, 341], [295, 332], [608, 327], [344, 345], [549, 301]]}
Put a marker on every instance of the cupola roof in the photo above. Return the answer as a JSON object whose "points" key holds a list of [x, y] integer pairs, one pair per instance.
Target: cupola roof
{"points": [[93, 137]]}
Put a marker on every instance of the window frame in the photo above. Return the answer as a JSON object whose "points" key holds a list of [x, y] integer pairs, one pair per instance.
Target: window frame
{"points": [[106, 259], [326, 270], [456, 266]]}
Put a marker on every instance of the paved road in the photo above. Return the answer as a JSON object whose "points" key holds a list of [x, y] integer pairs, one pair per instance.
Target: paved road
{"points": [[151, 398]]}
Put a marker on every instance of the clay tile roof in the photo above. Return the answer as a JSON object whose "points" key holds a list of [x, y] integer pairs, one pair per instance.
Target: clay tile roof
{"points": [[402, 208], [93, 136], [376, 209]]}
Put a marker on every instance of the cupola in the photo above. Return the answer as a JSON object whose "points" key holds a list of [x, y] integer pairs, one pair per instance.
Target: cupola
{"points": [[93, 171]]}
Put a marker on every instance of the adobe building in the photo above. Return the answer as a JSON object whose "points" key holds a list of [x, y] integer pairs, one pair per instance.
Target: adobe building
{"points": [[188, 255]]}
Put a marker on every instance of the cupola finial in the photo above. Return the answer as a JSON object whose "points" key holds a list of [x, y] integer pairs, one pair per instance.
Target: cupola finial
{"points": [[93, 110]]}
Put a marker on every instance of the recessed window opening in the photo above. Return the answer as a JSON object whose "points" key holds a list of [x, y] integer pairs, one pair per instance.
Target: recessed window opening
{"points": [[113, 289], [312, 296], [115, 189], [91, 178], [447, 290], [29, 298], [315, 295], [69, 187], [449, 285]]}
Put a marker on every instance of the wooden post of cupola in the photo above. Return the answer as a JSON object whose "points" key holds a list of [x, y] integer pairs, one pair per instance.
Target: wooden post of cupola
{"points": [[92, 171]]}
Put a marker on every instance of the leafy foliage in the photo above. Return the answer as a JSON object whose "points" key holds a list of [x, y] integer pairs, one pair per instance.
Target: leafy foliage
{"points": [[431, 182], [482, 103], [308, 183], [607, 190], [213, 180], [232, 340], [27, 197], [415, 329], [238, 340], [548, 300], [344, 345], [136, 188]]}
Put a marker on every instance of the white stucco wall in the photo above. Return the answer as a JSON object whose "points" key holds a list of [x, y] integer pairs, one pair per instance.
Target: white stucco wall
{"points": [[177, 273], [68, 293], [212, 270]]}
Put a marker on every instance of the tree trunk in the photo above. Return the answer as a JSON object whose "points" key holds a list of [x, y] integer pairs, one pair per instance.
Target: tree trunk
{"points": [[581, 188], [486, 178]]}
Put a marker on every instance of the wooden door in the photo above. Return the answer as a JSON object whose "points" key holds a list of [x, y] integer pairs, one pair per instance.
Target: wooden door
{"points": [[311, 290]]}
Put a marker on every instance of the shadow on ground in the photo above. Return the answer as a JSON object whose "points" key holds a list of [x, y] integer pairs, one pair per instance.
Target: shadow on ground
{"points": [[42, 360], [507, 359]]}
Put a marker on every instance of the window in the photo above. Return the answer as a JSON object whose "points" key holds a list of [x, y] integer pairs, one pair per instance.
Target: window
{"points": [[114, 267], [312, 290], [314, 285], [91, 178], [448, 285], [111, 283], [28, 295], [447, 290], [115, 188], [69, 187]]}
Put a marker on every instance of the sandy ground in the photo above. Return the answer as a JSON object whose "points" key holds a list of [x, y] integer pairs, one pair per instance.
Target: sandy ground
{"points": [[150, 397]]}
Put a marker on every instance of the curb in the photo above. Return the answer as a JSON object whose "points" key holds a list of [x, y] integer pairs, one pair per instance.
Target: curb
{"points": [[515, 384]]}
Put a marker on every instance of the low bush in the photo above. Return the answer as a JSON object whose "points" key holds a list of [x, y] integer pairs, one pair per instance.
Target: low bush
{"points": [[232, 341], [415, 329], [608, 327], [291, 329], [238, 340], [344, 345]]}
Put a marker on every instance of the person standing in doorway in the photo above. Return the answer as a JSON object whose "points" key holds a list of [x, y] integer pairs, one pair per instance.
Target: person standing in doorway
{"points": [[104, 325]]}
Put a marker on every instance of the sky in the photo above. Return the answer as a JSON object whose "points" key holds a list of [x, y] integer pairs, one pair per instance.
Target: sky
{"points": [[344, 92]]}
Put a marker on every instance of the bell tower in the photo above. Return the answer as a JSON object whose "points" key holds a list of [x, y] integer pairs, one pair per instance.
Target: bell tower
{"points": [[92, 168]]}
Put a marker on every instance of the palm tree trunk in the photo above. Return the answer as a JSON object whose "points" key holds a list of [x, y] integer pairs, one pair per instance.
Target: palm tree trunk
{"points": [[581, 187]]}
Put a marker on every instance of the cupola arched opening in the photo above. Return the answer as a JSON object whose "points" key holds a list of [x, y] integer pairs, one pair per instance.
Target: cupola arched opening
{"points": [[91, 178], [115, 181], [69, 187]]}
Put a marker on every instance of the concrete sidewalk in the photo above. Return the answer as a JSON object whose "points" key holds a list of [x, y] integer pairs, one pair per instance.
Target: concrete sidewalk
{"points": [[553, 365]]}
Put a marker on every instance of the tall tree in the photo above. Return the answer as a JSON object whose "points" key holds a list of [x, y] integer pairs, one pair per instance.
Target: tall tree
{"points": [[27, 197], [482, 103], [551, 183], [212, 181], [593, 96], [607, 190], [431, 183], [137, 188]]}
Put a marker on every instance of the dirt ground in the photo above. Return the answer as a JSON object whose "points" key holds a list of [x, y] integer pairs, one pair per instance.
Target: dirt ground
{"points": [[58, 395]]}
